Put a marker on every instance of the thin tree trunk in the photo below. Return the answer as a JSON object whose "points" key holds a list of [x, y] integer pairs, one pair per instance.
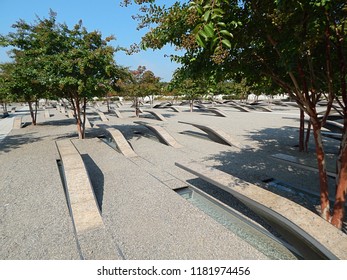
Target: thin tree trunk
{"points": [[323, 178], [302, 130], [308, 133], [32, 114], [83, 129], [341, 182], [78, 119], [137, 109], [35, 113]]}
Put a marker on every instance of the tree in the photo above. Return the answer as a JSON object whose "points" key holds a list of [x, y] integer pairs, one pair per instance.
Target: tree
{"points": [[5, 76], [73, 64], [190, 89], [299, 45], [142, 83], [27, 80]]}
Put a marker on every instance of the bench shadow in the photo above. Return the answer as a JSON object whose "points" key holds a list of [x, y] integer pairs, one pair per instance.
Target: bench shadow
{"points": [[257, 167], [96, 178]]}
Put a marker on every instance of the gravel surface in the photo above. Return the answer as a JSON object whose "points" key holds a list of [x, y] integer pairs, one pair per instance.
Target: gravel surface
{"points": [[144, 218]]}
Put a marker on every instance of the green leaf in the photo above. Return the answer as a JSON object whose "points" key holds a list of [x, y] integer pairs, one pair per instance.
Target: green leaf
{"points": [[209, 30], [214, 16], [226, 43], [226, 33], [206, 15], [222, 24], [203, 34], [200, 41]]}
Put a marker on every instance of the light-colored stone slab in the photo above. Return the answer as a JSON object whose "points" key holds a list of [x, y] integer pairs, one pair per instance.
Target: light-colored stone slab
{"points": [[218, 135], [218, 112], [70, 114], [102, 116], [47, 114], [17, 123], [162, 134], [287, 215], [85, 212], [121, 143], [117, 113], [299, 163], [174, 108], [334, 126], [157, 115], [88, 125], [239, 107]]}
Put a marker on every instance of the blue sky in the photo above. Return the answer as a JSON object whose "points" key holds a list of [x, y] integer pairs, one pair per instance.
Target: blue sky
{"points": [[107, 16]]}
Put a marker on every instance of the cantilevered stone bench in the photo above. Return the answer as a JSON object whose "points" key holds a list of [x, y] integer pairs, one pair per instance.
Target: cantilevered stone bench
{"points": [[334, 126], [84, 208], [157, 115], [218, 135], [162, 134], [102, 116], [93, 240], [121, 143], [239, 107], [315, 238], [87, 123], [173, 108], [116, 112], [47, 114], [299, 163], [262, 108], [217, 112], [333, 135], [17, 123], [70, 114]]}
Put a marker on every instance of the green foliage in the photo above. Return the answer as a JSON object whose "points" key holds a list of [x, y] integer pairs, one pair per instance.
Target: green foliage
{"points": [[142, 83], [51, 59]]}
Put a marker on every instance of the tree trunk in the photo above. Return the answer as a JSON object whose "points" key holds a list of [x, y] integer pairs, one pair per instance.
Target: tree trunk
{"points": [[83, 128], [302, 130], [341, 182], [32, 114], [35, 113], [79, 123], [323, 178], [308, 133], [137, 109]]}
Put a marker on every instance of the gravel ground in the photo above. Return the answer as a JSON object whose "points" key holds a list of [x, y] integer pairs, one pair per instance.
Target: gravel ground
{"points": [[144, 218]]}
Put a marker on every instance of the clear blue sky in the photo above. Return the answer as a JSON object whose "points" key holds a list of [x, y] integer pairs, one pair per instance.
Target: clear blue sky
{"points": [[106, 16]]}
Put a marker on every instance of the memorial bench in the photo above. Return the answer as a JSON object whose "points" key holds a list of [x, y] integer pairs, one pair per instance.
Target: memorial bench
{"points": [[156, 115], [299, 163], [121, 143], [81, 199], [311, 235], [162, 134], [218, 136]]}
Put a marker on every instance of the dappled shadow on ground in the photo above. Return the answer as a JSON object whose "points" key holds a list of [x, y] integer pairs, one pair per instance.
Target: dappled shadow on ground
{"points": [[15, 141], [96, 177], [61, 122], [259, 168]]}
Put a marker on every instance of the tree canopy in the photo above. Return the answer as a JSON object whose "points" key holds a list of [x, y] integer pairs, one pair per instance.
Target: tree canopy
{"points": [[298, 46], [51, 59]]}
